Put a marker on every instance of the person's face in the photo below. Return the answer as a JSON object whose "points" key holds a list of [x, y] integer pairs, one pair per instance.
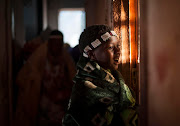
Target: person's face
{"points": [[55, 46], [107, 55]]}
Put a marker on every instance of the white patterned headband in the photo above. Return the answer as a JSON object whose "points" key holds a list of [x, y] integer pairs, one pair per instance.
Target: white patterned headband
{"points": [[106, 36]]}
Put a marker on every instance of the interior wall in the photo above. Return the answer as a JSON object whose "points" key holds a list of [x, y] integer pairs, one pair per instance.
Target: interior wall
{"points": [[99, 12], [162, 36], [18, 31], [31, 19], [19, 35], [54, 6], [143, 80], [44, 14], [95, 15], [5, 63]]}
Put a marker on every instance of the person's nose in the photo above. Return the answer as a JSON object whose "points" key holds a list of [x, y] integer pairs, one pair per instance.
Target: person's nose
{"points": [[117, 49]]}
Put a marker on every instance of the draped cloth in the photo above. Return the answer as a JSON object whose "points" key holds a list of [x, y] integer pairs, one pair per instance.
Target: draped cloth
{"points": [[31, 88], [99, 98]]}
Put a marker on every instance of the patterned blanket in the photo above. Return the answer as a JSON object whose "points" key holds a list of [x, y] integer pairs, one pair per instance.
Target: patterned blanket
{"points": [[99, 98]]}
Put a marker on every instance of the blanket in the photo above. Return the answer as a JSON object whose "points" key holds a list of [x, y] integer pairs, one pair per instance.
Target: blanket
{"points": [[100, 98]]}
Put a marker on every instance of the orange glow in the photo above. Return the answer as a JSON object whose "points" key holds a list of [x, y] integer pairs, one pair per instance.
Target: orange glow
{"points": [[116, 17], [125, 46], [123, 13], [126, 26], [117, 30], [132, 31], [138, 61], [124, 37]]}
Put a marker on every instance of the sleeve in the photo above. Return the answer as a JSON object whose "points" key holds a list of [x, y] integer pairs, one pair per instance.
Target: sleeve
{"points": [[29, 83], [70, 65]]}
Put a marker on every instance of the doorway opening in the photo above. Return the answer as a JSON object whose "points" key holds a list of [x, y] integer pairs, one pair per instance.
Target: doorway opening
{"points": [[71, 22]]}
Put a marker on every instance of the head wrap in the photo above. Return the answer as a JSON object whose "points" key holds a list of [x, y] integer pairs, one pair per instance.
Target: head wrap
{"points": [[103, 38], [93, 36]]}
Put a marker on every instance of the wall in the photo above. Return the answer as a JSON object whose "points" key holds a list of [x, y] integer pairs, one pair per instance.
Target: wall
{"points": [[93, 15], [31, 19], [97, 11], [18, 36], [54, 6], [19, 22], [44, 14], [5, 63], [162, 35]]}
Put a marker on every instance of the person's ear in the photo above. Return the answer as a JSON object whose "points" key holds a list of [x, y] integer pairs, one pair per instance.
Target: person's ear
{"points": [[91, 55]]}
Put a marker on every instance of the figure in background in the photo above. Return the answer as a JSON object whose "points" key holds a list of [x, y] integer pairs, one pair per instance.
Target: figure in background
{"points": [[21, 55], [31, 45], [67, 46], [75, 53], [45, 83], [100, 96]]}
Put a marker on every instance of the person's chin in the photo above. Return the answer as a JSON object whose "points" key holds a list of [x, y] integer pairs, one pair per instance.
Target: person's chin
{"points": [[115, 67]]}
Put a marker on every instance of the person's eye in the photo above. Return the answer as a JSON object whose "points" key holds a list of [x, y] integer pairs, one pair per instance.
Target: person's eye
{"points": [[110, 47]]}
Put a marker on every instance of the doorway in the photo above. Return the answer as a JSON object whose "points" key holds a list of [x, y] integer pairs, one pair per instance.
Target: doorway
{"points": [[71, 22]]}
